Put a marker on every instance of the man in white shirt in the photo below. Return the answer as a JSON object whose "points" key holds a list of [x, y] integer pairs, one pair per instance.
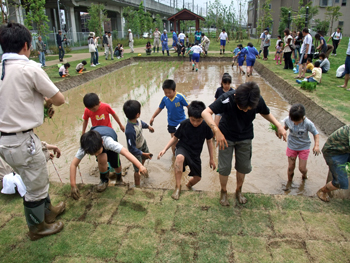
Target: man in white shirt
{"points": [[24, 85], [156, 42], [223, 37], [336, 38], [305, 53], [131, 41]]}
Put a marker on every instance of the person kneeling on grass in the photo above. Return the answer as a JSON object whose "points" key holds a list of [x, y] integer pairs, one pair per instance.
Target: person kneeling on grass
{"points": [[315, 76], [80, 67], [336, 152], [63, 71], [189, 138], [101, 141]]}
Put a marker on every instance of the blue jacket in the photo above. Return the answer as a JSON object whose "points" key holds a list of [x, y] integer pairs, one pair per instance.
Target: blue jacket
{"points": [[174, 36], [250, 52], [164, 38]]}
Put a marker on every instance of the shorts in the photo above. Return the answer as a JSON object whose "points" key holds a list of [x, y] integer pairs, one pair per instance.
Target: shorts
{"points": [[303, 60], [250, 63], [113, 158], [195, 57], [347, 65], [171, 129], [144, 149], [195, 164], [222, 42], [243, 157], [303, 154], [240, 62], [336, 167], [174, 43]]}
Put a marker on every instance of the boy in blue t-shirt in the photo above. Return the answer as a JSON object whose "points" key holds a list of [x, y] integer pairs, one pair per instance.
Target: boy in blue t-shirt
{"points": [[174, 102]]}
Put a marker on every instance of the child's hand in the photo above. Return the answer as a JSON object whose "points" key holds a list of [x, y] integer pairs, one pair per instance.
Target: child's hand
{"points": [[147, 155], [151, 121], [282, 133], [161, 154], [57, 152], [121, 126], [150, 129], [212, 164], [74, 191], [316, 150], [220, 140], [143, 170]]}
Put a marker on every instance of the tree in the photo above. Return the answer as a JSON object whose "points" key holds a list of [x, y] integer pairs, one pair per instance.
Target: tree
{"points": [[98, 15], [36, 16], [132, 20], [321, 26], [158, 22], [266, 19], [299, 16], [284, 17], [332, 12]]}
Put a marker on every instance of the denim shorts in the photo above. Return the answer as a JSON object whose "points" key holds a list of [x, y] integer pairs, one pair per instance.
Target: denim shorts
{"points": [[336, 166], [347, 64]]}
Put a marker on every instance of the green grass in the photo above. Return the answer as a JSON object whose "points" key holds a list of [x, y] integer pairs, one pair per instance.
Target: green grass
{"points": [[143, 225], [327, 94], [50, 58]]}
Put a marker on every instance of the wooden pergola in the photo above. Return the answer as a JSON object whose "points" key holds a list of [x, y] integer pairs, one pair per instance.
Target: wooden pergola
{"points": [[184, 14]]}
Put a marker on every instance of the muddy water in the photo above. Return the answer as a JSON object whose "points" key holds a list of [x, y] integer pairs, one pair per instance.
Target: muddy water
{"points": [[143, 82]]}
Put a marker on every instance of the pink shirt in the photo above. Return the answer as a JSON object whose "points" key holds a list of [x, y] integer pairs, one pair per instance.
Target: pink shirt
{"points": [[99, 117]]}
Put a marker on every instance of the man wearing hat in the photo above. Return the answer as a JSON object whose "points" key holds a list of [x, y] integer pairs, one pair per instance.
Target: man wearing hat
{"points": [[164, 40], [223, 37], [110, 46], [156, 41], [131, 41]]}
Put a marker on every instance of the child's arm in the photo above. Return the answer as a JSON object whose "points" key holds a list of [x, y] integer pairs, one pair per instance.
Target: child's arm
{"points": [[172, 141], [85, 123], [281, 132], [73, 172], [146, 126], [56, 150], [211, 154], [115, 116], [131, 158], [155, 115], [316, 149]]}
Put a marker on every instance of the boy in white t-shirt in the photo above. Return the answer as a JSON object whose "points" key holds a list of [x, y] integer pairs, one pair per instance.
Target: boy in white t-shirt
{"points": [[197, 50], [223, 37], [336, 38]]}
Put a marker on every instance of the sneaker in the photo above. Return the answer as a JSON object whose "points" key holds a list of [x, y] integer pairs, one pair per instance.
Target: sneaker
{"points": [[98, 64], [196, 69], [276, 63], [93, 65], [101, 186], [298, 81], [335, 55], [118, 57]]}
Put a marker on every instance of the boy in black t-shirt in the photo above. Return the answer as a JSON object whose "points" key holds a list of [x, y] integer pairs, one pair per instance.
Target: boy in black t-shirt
{"points": [[189, 138], [235, 132]]}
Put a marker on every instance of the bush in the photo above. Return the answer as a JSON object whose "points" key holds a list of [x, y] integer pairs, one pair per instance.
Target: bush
{"points": [[34, 53], [68, 49], [308, 86], [53, 50]]}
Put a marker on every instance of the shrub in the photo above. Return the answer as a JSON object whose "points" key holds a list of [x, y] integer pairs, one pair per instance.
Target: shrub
{"points": [[53, 50], [308, 86]]}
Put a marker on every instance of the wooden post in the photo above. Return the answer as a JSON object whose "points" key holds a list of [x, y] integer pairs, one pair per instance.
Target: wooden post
{"points": [[197, 24], [178, 23], [174, 25]]}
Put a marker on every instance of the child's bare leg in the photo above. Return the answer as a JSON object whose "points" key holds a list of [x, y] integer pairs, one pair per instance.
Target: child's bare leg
{"points": [[291, 167], [179, 162], [174, 145], [241, 69], [194, 179], [240, 179], [137, 179], [223, 196], [302, 168]]}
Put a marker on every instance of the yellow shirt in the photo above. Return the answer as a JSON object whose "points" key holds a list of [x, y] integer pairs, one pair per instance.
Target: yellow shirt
{"points": [[310, 66], [318, 74]]}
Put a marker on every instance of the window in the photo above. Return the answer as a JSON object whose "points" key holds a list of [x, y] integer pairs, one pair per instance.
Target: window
{"points": [[340, 23], [270, 6], [325, 3], [343, 3], [337, 1]]}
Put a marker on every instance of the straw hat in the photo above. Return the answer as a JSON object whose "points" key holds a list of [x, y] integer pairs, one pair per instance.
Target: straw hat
{"points": [[91, 34]]}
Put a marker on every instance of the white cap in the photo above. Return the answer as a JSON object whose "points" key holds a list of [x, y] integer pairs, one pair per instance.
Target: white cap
{"points": [[164, 30], [129, 30]]}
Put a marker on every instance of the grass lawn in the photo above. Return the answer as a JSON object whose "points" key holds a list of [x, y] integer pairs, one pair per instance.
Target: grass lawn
{"points": [[143, 225], [327, 94], [50, 58]]}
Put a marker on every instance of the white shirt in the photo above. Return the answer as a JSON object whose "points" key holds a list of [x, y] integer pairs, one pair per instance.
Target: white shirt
{"points": [[182, 36], [63, 70], [196, 49], [131, 37], [307, 40], [347, 51], [262, 36], [156, 34], [337, 36], [223, 36]]}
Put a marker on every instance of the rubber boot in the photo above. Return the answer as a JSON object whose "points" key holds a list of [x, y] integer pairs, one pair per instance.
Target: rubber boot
{"points": [[168, 53], [36, 223], [176, 194], [104, 181], [51, 212], [157, 49], [224, 198], [223, 51], [163, 52], [119, 179], [220, 51], [154, 49]]}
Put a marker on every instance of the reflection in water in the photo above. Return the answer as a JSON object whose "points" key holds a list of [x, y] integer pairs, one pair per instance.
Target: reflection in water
{"points": [[143, 82]]}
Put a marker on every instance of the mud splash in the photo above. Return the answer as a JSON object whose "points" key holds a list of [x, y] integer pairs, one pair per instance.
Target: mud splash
{"points": [[142, 81]]}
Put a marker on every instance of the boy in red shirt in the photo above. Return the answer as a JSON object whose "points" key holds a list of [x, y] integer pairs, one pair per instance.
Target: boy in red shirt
{"points": [[99, 112]]}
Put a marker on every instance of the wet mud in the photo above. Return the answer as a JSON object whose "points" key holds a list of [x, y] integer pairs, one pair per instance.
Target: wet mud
{"points": [[142, 81]]}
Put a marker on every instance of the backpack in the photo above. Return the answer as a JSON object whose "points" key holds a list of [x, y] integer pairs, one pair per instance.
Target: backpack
{"points": [[292, 45]]}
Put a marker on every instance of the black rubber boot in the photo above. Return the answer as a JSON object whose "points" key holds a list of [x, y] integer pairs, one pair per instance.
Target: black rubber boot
{"points": [[154, 50], [168, 53], [163, 52], [104, 181], [34, 213], [51, 212], [157, 49]]}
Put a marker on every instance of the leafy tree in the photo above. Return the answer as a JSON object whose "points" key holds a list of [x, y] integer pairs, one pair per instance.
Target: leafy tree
{"points": [[132, 20], [299, 16], [284, 19], [332, 12], [321, 26], [98, 15], [36, 16], [158, 22]]}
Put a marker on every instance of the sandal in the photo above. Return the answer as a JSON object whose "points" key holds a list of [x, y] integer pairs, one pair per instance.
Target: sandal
{"points": [[339, 86]]}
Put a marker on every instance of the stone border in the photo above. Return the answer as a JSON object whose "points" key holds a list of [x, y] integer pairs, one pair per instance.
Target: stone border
{"points": [[327, 122]]}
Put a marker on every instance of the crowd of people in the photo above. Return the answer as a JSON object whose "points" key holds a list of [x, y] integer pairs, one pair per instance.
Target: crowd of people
{"points": [[232, 128]]}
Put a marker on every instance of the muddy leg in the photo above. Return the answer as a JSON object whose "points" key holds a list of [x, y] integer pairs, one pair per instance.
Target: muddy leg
{"points": [[240, 179], [302, 168], [194, 179], [291, 167], [179, 161], [174, 145], [223, 196], [323, 193], [137, 179]]}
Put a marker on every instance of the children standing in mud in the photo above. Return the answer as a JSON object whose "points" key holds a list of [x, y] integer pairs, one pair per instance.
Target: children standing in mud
{"points": [[175, 103], [137, 144], [189, 138], [299, 141]]}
